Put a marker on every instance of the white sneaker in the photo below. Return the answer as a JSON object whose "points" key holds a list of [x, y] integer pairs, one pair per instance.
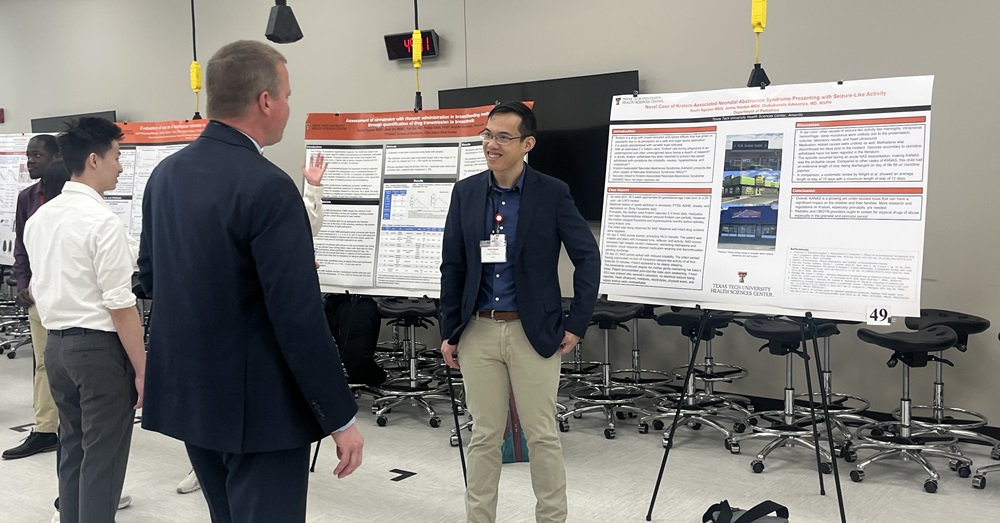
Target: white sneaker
{"points": [[189, 484], [125, 501]]}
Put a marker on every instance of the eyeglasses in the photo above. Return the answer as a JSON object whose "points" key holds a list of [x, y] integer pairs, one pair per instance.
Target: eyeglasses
{"points": [[501, 139]]}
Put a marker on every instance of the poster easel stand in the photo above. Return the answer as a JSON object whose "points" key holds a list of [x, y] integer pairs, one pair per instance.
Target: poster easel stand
{"points": [[809, 324]]}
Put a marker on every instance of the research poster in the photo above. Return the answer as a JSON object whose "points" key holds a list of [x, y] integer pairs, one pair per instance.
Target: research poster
{"points": [[386, 194], [13, 178], [144, 146], [781, 200]]}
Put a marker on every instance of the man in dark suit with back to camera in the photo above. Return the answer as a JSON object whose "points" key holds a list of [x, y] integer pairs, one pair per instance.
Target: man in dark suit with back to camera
{"points": [[242, 366], [501, 307]]}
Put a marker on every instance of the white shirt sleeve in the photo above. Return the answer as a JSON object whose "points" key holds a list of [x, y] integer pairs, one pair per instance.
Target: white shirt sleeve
{"points": [[312, 197], [114, 261]]}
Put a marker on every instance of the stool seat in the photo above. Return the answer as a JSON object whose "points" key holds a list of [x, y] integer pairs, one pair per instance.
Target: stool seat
{"points": [[614, 312], [962, 324], [407, 307], [929, 339], [689, 320], [787, 331]]}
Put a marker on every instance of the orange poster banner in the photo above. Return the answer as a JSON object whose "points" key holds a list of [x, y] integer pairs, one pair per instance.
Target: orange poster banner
{"points": [[399, 125], [175, 131]]}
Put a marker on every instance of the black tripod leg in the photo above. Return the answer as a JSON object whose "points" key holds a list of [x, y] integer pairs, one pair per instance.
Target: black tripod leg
{"points": [[458, 428], [812, 410], [826, 413], [677, 413], [312, 468]]}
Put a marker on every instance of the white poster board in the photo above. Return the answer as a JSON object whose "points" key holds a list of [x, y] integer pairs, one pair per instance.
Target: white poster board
{"points": [[781, 200]]}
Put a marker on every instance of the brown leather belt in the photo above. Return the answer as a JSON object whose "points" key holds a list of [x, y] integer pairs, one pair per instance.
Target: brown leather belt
{"points": [[499, 315]]}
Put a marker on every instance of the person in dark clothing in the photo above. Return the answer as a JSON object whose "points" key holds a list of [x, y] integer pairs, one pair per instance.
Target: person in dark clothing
{"points": [[355, 322]]}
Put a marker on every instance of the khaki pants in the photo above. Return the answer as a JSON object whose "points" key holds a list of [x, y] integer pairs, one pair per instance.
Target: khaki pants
{"points": [[46, 414], [496, 358]]}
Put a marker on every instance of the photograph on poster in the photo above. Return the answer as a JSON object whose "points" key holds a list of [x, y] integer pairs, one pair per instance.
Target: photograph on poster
{"points": [[751, 181]]}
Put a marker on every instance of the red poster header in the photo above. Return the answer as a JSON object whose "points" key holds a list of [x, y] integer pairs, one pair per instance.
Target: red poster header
{"points": [[177, 131], [433, 123]]}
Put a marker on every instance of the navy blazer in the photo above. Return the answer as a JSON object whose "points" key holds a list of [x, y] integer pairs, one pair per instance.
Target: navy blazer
{"points": [[240, 357], [547, 219]]}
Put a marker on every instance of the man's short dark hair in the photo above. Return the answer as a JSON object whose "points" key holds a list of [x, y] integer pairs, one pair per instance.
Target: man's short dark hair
{"points": [[48, 142], [85, 136], [528, 127]]}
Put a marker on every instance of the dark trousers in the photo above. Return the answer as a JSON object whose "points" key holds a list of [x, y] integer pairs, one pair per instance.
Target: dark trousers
{"points": [[261, 487], [93, 384], [355, 322]]}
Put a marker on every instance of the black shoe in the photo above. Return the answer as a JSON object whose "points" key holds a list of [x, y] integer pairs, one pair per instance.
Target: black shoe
{"points": [[35, 442]]}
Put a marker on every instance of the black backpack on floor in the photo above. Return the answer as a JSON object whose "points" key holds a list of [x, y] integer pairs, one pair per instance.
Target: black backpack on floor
{"points": [[723, 513]]}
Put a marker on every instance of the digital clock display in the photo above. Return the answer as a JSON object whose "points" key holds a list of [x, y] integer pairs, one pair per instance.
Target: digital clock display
{"points": [[399, 46]]}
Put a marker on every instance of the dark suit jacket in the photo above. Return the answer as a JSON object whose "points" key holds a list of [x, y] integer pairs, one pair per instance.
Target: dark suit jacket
{"points": [[240, 355], [547, 219]]}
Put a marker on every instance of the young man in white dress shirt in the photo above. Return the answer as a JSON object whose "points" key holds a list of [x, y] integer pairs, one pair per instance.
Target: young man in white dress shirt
{"points": [[82, 265]]}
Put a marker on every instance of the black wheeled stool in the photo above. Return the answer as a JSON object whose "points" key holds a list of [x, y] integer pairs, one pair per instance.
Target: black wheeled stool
{"points": [[416, 387], [574, 371], [844, 408], [613, 400], [789, 426], [651, 381], [701, 406], [15, 330], [903, 438], [953, 420], [979, 480]]}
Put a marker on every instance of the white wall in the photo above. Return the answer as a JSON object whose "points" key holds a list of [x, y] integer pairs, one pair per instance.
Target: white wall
{"points": [[62, 56]]}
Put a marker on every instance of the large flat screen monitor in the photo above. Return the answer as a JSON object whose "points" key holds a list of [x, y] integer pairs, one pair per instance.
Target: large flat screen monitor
{"points": [[57, 124], [573, 120]]}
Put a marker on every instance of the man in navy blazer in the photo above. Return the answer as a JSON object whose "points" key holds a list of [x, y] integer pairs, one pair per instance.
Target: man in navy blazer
{"points": [[242, 366], [501, 307]]}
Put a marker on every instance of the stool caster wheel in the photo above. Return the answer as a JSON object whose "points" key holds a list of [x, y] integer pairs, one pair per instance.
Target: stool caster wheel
{"points": [[657, 425], [876, 433], [979, 481], [930, 486], [435, 422], [995, 453], [620, 415], [453, 440], [964, 471], [577, 416], [631, 414], [732, 446], [357, 394], [644, 428], [460, 410], [563, 426], [953, 465], [850, 455], [609, 433], [752, 422], [11, 355], [739, 428], [757, 466], [382, 421], [695, 426], [826, 467], [857, 476]]}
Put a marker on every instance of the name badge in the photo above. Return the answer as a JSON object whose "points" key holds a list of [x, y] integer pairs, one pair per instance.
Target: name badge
{"points": [[494, 250]]}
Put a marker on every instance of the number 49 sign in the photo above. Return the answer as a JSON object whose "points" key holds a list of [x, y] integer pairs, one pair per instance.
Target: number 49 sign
{"points": [[878, 315]]}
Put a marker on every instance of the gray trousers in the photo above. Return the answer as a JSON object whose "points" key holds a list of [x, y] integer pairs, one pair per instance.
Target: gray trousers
{"points": [[93, 384]]}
